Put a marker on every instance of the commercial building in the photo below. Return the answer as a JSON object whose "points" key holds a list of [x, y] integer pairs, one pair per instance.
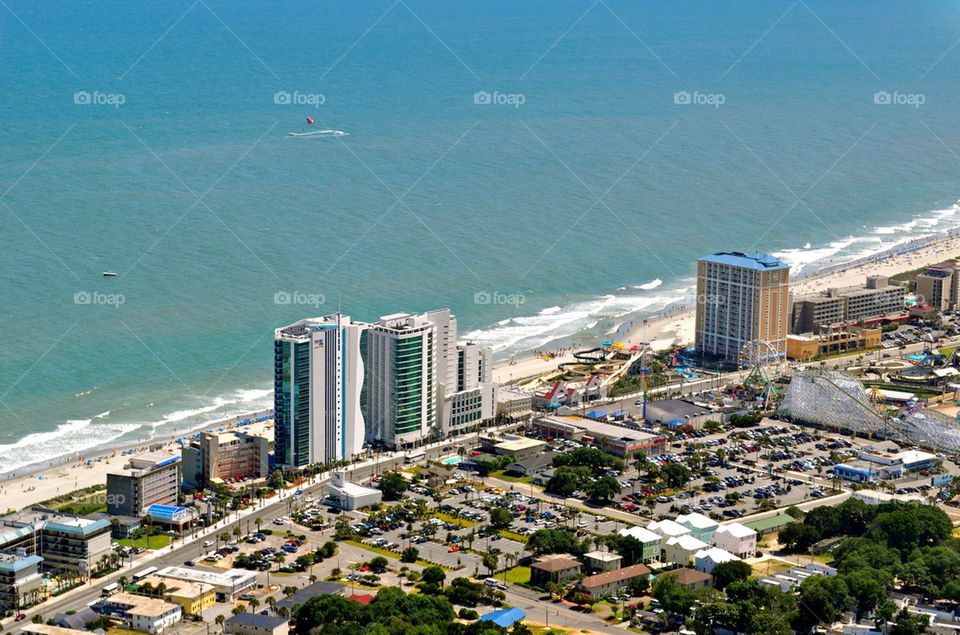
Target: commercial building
{"points": [[50, 629], [764, 526], [877, 298], [514, 405], [670, 410], [228, 583], [533, 465], [706, 559], [400, 387], [602, 584], [701, 527], [466, 410], [318, 380], [858, 471], [149, 479], [19, 578], [519, 448], [193, 597], [350, 496], [937, 286], [741, 298], [228, 457], [256, 624], [554, 568], [652, 542], [682, 549], [602, 561], [835, 340], [736, 538], [614, 439], [67, 544], [147, 615]]}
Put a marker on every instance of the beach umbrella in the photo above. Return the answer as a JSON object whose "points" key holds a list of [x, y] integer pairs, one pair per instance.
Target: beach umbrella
{"points": [[606, 342], [618, 345]]}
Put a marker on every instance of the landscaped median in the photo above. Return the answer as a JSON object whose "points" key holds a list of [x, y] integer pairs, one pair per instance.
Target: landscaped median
{"points": [[395, 556]]}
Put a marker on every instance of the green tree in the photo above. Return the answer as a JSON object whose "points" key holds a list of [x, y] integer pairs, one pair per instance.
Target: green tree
{"points": [[434, 575], [675, 474], [410, 554], [500, 517], [392, 485], [673, 597], [490, 561], [728, 572], [563, 482], [603, 490]]}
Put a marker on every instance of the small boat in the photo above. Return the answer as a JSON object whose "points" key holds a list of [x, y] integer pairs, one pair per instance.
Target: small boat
{"points": [[110, 274]]}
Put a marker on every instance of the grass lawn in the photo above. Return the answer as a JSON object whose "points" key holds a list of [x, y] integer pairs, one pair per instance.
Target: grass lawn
{"points": [[516, 574], [513, 536], [377, 550], [447, 518], [824, 558], [156, 542], [512, 479]]}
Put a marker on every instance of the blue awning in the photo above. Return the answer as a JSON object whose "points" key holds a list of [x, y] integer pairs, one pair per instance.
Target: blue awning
{"points": [[505, 618]]}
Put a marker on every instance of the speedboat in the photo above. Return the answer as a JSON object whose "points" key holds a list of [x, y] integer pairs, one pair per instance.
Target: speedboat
{"points": [[110, 274]]}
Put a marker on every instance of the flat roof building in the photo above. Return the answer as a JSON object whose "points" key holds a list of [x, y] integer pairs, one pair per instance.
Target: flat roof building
{"points": [[256, 624], [228, 583], [602, 560], [19, 578], [65, 542], [147, 479], [148, 615], [350, 496], [617, 440], [741, 298], [227, 457]]}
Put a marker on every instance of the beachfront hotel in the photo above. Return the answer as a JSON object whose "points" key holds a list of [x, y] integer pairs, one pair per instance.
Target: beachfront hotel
{"points": [[318, 379], [741, 298], [400, 389], [148, 479], [227, 456]]}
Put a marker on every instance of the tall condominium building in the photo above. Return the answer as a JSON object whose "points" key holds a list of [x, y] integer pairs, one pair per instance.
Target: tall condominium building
{"points": [[318, 379], [148, 479], [64, 543], [446, 344], [740, 298], [472, 399], [400, 388], [939, 286]]}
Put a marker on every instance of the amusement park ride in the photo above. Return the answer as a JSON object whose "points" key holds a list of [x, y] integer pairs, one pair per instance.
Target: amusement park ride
{"points": [[763, 360]]}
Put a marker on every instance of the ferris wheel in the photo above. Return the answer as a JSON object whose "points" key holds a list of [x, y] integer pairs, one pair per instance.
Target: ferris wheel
{"points": [[763, 360]]}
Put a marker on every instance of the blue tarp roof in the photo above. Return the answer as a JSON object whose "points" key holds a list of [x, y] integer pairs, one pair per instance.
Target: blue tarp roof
{"points": [[675, 423], [165, 512], [593, 414], [504, 617]]}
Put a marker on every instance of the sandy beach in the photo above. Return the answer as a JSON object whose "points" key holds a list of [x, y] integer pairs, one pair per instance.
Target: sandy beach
{"points": [[40, 483], [672, 329]]}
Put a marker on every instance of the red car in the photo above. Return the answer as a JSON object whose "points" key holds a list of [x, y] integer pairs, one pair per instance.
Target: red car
{"points": [[21, 617], [453, 549]]}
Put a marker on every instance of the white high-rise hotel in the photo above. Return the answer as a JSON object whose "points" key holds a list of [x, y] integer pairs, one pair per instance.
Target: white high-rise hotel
{"points": [[398, 382]]}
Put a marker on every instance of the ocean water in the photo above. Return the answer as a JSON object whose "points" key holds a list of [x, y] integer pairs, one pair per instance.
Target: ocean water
{"points": [[578, 198]]}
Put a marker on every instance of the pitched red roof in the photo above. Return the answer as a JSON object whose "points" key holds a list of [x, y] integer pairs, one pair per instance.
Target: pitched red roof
{"points": [[362, 598]]}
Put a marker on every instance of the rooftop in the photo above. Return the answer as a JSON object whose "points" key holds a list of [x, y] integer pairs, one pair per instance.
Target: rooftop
{"points": [[141, 605], [520, 443], [770, 522], [13, 562], [642, 534], [668, 528], [716, 554], [256, 620], [626, 573], [697, 521], [596, 428], [222, 578], [687, 542], [737, 530], [687, 576], [504, 617], [309, 591], [555, 563], [755, 261], [602, 556]]}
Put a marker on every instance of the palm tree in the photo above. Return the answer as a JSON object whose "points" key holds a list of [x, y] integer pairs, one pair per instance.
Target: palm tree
{"points": [[237, 532], [258, 521], [225, 537], [147, 522], [237, 610], [253, 604], [220, 619]]}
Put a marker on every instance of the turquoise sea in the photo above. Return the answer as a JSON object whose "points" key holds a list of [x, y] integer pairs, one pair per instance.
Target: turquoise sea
{"points": [[546, 169]]}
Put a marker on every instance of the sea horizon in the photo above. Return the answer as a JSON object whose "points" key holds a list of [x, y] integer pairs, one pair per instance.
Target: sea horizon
{"points": [[548, 173]]}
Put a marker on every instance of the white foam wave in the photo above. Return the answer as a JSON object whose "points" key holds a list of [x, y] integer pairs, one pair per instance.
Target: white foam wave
{"points": [[71, 438], [653, 284]]}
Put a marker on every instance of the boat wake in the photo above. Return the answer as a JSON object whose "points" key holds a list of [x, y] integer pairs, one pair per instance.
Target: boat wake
{"points": [[319, 133]]}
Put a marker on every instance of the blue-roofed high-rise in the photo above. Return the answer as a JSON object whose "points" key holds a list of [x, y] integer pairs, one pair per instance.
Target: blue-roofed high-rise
{"points": [[741, 298]]}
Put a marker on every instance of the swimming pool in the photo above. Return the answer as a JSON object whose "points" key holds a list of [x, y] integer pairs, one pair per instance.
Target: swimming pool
{"points": [[451, 460]]}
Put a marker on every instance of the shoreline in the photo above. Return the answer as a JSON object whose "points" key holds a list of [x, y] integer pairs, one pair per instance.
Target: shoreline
{"points": [[673, 326], [37, 482]]}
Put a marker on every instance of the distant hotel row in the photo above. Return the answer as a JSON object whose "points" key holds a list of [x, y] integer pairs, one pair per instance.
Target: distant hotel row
{"points": [[743, 298], [396, 384]]}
